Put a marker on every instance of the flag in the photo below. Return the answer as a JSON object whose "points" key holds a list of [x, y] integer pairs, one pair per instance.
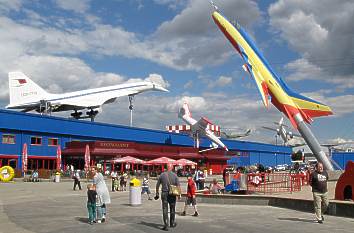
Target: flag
{"points": [[24, 158], [87, 157], [58, 158]]}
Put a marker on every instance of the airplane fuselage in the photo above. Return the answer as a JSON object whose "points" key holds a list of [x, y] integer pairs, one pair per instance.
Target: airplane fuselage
{"points": [[90, 98]]}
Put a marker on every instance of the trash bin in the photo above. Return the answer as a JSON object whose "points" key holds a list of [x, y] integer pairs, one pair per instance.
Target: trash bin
{"points": [[135, 192], [57, 177]]}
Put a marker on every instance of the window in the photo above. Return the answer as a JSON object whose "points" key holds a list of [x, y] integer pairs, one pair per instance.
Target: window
{"points": [[8, 139], [52, 141], [36, 141]]}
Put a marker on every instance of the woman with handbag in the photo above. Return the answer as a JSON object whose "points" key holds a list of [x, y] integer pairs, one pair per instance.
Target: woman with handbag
{"points": [[170, 190]]}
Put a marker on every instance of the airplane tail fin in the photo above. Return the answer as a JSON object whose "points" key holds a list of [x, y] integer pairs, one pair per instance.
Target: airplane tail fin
{"points": [[310, 108], [184, 111], [23, 90], [186, 115]]}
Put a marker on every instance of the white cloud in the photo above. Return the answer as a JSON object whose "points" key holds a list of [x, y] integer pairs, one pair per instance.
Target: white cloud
{"points": [[173, 4], [301, 69], [188, 85], [9, 5], [323, 38], [79, 6], [187, 42], [222, 81], [156, 78], [192, 39]]}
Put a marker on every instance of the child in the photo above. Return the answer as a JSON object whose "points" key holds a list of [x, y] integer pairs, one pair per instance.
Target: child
{"points": [[91, 203], [215, 187], [116, 184], [123, 182], [190, 199], [145, 187]]}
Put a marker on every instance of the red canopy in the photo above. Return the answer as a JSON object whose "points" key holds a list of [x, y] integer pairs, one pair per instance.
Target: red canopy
{"points": [[185, 162], [162, 160], [128, 159]]}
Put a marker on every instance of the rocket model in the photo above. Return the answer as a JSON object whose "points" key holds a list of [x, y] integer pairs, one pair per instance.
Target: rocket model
{"points": [[297, 108]]}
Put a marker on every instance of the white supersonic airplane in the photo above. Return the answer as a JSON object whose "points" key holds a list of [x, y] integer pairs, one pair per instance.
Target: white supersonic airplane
{"points": [[28, 96], [199, 128]]}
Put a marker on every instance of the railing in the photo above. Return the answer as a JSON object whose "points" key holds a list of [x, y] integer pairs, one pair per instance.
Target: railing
{"points": [[269, 183]]}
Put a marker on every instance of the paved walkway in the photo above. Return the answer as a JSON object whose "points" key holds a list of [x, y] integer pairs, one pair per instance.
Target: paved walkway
{"points": [[54, 207]]}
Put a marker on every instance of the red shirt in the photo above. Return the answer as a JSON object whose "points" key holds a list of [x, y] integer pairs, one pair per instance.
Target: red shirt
{"points": [[191, 188]]}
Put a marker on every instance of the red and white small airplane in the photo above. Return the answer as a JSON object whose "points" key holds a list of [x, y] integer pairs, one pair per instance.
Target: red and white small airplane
{"points": [[200, 128]]}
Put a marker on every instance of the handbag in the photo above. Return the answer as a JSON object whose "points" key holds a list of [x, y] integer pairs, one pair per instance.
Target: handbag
{"points": [[173, 190]]}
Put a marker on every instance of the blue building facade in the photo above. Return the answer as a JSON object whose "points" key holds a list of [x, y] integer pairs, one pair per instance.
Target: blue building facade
{"points": [[342, 158], [43, 134]]}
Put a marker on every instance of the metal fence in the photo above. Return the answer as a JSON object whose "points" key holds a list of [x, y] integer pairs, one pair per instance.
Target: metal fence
{"points": [[268, 183]]}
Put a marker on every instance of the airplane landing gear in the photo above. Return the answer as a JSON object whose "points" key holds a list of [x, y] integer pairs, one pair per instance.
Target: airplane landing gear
{"points": [[92, 114], [45, 107], [76, 115]]}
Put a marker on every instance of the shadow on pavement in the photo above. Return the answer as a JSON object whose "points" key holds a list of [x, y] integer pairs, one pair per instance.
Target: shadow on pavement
{"points": [[298, 220], [151, 224], [81, 219]]}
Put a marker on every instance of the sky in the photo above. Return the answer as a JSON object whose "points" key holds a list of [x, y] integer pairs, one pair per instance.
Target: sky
{"points": [[66, 45]]}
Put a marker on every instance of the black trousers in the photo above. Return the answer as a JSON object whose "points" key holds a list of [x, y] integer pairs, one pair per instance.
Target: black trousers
{"points": [[168, 200], [77, 182]]}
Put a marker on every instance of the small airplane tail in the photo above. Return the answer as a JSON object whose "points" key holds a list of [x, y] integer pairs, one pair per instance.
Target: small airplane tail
{"points": [[186, 115], [184, 111], [23, 90]]}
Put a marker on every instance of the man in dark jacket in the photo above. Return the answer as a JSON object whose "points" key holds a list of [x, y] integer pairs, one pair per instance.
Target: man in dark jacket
{"points": [[166, 179], [318, 181]]}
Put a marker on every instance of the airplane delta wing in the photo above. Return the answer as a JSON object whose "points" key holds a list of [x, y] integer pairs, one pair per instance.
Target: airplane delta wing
{"points": [[97, 97], [27, 95], [268, 83]]}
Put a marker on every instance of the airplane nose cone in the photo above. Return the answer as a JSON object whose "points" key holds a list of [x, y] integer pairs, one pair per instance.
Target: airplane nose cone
{"points": [[160, 88]]}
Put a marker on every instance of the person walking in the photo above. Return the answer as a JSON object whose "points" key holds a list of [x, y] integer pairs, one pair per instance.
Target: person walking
{"points": [[76, 177], [318, 182], [102, 191], [146, 186], [190, 199], [114, 176], [166, 179]]}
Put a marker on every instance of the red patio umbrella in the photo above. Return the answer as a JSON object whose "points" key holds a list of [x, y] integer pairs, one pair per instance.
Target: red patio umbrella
{"points": [[87, 157], [128, 159], [58, 158], [162, 160], [24, 157], [185, 162]]}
